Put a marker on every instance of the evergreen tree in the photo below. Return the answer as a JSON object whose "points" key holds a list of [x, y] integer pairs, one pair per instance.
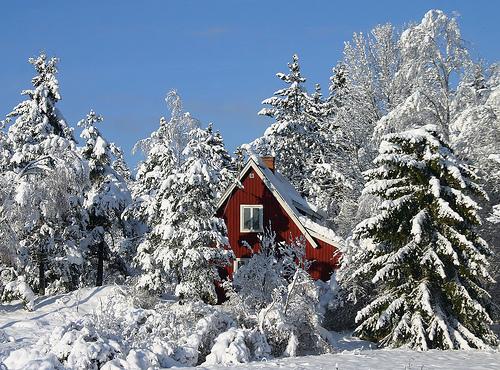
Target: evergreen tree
{"points": [[426, 261], [107, 195], [163, 152], [187, 243], [295, 137], [303, 140], [47, 215]]}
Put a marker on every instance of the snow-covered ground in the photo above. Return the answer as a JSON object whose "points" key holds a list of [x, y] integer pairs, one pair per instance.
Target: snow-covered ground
{"points": [[384, 360], [19, 328]]}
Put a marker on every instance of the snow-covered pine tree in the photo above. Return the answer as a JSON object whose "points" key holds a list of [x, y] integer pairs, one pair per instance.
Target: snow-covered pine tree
{"points": [[187, 243], [5, 152], [119, 164], [7, 235], [295, 136], [106, 198], [426, 261], [302, 139], [222, 160], [338, 89], [47, 215], [163, 152]]}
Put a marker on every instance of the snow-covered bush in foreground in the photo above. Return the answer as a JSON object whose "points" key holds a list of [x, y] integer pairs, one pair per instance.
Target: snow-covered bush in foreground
{"points": [[19, 289], [120, 334], [238, 346], [274, 293]]}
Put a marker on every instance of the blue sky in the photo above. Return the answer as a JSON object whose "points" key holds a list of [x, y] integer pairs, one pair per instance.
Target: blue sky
{"points": [[121, 57]]}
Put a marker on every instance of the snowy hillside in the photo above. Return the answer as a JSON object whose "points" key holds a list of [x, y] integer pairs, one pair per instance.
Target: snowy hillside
{"points": [[19, 328]]}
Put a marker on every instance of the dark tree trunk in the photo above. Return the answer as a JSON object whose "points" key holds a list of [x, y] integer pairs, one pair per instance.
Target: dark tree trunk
{"points": [[41, 273], [100, 263]]}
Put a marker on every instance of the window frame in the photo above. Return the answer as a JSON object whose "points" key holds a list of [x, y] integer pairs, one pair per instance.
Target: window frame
{"points": [[242, 218]]}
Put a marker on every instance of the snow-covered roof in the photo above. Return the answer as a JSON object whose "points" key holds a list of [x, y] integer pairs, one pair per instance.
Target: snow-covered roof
{"points": [[306, 216]]}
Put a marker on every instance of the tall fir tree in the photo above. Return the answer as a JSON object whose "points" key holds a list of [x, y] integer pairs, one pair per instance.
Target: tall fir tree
{"points": [[106, 198], [187, 243], [303, 141], [163, 152], [425, 259], [295, 137], [47, 215]]}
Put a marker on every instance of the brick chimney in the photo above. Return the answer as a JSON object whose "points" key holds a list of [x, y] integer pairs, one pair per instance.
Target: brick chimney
{"points": [[269, 162]]}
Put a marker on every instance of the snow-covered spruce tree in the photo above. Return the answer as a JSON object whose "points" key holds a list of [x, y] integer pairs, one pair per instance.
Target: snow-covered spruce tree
{"points": [[295, 136], [47, 215], [426, 261], [163, 152], [186, 243], [105, 199], [303, 141]]}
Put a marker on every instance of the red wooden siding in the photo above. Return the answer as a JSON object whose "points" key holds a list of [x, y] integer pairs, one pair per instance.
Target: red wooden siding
{"points": [[255, 192]]}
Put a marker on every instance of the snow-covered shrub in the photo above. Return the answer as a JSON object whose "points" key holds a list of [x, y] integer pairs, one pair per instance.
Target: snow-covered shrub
{"points": [[255, 281], [140, 297], [7, 274], [238, 345], [4, 338], [182, 333], [19, 289], [291, 323], [31, 359], [274, 293], [78, 345]]}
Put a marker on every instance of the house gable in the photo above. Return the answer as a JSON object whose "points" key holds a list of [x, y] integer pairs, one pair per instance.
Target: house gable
{"points": [[270, 185], [257, 189]]}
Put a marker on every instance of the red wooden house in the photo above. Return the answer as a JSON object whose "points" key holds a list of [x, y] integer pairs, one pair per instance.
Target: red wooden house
{"points": [[267, 198]]}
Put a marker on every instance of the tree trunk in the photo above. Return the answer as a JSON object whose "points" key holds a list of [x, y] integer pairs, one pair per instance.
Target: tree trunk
{"points": [[41, 273], [100, 263]]}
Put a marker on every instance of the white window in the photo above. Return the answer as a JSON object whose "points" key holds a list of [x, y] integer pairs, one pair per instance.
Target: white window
{"points": [[238, 262], [252, 218]]}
